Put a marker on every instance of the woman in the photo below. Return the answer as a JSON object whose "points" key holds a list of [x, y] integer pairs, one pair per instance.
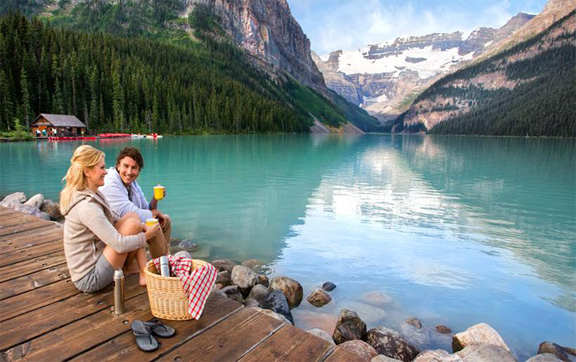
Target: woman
{"points": [[95, 241]]}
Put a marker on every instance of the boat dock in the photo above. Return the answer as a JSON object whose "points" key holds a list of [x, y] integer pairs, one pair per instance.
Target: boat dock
{"points": [[43, 317]]}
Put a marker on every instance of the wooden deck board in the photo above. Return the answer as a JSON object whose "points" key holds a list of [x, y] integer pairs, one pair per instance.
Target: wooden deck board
{"points": [[43, 317]]}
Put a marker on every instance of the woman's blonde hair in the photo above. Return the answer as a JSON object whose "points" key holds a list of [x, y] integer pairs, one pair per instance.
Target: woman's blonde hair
{"points": [[84, 157]]}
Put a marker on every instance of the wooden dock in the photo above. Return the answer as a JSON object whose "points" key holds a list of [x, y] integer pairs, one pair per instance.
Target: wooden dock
{"points": [[43, 317]]}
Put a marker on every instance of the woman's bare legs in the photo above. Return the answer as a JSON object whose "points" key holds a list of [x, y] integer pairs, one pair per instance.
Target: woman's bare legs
{"points": [[129, 224]]}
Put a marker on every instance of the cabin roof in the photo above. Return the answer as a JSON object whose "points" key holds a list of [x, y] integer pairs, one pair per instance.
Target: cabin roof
{"points": [[61, 120]]}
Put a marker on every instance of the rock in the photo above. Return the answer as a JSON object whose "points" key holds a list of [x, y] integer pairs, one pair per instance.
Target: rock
{"points": [[328, 286], [479, 333], [382, 358], [391, 344], [252, 263], [243, 277], [15, 199], [51, 208], [224, 278], [223, 264], [274, 315], [32, 210], [322, 334], [233, 292], [188, 245], [443, 329], [291, 289], [438, 355], [555, 349], [308, 319], [276, 302], [359, 348], [36, 201], [484, 352], [376, 298], [318, 298], [218, 285], [544, 357], [259, 293], [249, 302], [413, 321], [349, 327], [263, 280], [184, 254]]}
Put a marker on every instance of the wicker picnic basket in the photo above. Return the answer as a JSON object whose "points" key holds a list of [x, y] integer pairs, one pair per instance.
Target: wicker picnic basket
{"points": [[167, 299]]}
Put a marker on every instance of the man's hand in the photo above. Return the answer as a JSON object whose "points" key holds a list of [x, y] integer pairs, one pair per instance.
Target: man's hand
{"points": [[160, 216]]}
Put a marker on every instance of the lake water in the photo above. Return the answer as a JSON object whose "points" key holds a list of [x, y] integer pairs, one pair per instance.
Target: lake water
{"points": [[452, 230]]}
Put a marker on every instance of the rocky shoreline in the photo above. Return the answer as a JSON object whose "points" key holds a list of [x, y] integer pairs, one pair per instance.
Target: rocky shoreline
{"points": [[277, 296]]}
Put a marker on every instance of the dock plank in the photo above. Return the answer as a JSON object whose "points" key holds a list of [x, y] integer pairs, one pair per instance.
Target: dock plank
{"points": [[228, 340], [26, 234], [27, 326], [32, 281], [124, 347], [16, 256], [31, 265], [290, 344], [29, 225], [46, 236]]}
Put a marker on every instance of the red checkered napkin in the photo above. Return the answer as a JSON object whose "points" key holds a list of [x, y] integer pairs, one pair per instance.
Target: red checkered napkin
{"points": [[197, 285]]}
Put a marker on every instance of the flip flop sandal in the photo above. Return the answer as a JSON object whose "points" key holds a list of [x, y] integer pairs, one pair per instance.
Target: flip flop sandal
{"points": [[159, 329], [144, 339]]}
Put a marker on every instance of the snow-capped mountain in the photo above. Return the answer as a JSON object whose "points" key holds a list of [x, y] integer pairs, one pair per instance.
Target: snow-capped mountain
{"points": [[384, 78]]}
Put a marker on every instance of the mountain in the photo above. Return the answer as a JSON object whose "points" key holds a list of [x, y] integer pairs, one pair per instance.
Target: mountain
{"points": [[385, 78], [271, 40], [527, 89]]}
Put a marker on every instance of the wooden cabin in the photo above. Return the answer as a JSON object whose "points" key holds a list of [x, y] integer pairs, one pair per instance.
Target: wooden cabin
{"points": [[57, 125]]}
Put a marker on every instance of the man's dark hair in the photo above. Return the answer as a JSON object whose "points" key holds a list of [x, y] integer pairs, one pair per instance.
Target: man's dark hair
{"points": [[133, 153]]}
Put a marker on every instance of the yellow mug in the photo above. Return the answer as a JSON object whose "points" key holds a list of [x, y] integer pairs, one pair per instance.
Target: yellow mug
{"points": [[159, 192], [151, 222]]}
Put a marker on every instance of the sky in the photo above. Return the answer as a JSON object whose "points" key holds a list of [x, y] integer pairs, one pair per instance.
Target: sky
{"points": [[351, 24]]}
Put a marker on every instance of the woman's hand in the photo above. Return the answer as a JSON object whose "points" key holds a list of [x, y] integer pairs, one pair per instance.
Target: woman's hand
{"points": [[150, 231]]}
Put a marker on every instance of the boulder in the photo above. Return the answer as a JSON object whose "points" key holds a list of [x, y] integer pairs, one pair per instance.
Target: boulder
{"points": [[415, 322], [443, 329], [390, 343], [223, 264], [328, 286], [276, 302], [252, 263], [36, 201], [382, 358], [233, 292], [544, 357], [555, 349], [183, 254], [318, 298], [322, 334], [224, 278], [274, 315], [14, 199], [376, 298], [188, 245], [259, 293], [291, 289], [32, 210], [360, 348], [51, 208], [263, 280], [249, 302], [484, 352], [438, 355], [243, 277], [479, 333], [349, 327]]}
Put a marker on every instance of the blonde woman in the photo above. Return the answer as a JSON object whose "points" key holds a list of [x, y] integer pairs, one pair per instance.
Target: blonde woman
{"points": [[95, 241]]}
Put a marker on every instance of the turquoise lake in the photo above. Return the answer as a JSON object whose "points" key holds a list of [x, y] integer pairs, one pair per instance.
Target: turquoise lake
{"points": [[451, 230]]}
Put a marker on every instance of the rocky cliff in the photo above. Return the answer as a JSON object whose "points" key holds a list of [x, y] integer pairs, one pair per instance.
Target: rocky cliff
{"points": [[267, 31], [385, 78]]}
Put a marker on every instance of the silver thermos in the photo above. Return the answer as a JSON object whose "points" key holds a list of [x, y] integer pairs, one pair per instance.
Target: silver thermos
{"points": [[118, 291], [164, 266]]}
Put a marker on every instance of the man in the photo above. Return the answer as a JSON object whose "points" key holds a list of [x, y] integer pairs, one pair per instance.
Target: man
{"points": [[125, 195]]}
